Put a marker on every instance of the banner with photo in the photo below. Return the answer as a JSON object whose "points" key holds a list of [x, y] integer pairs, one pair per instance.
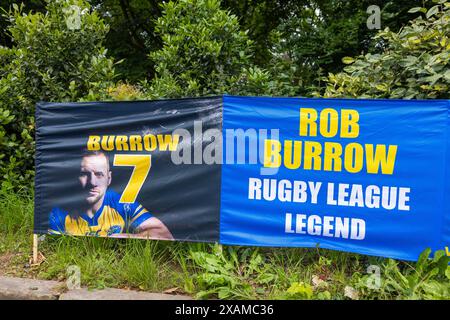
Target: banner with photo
{"points": [[365, 176]]}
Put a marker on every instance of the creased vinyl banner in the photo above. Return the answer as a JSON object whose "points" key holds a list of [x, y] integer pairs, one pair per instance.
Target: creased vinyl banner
{"points": [[365, 176]]}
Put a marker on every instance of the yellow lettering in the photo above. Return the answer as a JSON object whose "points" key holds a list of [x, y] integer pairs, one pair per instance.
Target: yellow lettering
{"points": [[312, 154], [149, 142], [329, 120], [349, 123], [141, 164], [168, 141], [308, 125], [292, 156], [108, 143], [135, 143], [374, 161], [121, 143], [332, 157], [272, 157], [93, 143], [353, 157]]}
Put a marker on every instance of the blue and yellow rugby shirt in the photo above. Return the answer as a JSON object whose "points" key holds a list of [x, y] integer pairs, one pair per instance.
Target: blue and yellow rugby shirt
{"points": [[112, 217]]}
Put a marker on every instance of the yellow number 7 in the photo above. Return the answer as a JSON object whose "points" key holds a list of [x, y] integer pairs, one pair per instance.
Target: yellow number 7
{"points": [[141, 164]]}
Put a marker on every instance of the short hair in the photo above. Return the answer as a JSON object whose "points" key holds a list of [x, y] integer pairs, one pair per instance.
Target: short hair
{"points": [[92, 153]]}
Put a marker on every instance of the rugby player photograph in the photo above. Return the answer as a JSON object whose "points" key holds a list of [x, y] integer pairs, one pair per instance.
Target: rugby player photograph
{"points": [[98, 211]]}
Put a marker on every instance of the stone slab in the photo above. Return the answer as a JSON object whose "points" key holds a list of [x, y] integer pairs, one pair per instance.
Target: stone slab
{"points": [[117, 294], [28, 289]]}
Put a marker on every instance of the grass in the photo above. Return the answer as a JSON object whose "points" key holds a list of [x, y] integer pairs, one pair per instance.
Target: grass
{"points": [[211, 271]]}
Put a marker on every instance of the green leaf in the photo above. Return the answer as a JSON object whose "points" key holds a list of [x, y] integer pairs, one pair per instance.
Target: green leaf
{"points": [[326, 295], [415, 9], [434, 272], [432, 79], [348, 60], [300, 289], [447, 75], [421, 262], [432, 11], [438, 255]]}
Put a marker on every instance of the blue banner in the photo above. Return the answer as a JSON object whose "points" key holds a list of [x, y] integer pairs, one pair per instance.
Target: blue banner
{"points": [[365, 176]]}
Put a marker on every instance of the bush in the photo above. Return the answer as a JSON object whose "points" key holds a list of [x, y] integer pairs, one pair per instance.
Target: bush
{"points": [[415, 64], [57, 56], [205, 53]]}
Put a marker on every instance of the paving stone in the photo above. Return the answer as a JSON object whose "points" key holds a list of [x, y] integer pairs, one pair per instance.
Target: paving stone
{"points": [[117, 294], [28, 289], [31, 289]]}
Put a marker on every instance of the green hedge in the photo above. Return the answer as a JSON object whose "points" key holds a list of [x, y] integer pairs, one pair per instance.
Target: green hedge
{"points": [[57, 56]]}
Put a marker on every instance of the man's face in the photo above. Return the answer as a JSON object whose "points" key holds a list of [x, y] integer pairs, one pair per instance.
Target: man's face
{"points": [[95, 177]]}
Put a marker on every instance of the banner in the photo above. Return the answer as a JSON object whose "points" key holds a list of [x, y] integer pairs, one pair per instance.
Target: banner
{"points": [[365, 176]]}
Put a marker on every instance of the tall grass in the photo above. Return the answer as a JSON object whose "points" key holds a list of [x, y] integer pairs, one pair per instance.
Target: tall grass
{"points": [[207, 270], [16, 219]]}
